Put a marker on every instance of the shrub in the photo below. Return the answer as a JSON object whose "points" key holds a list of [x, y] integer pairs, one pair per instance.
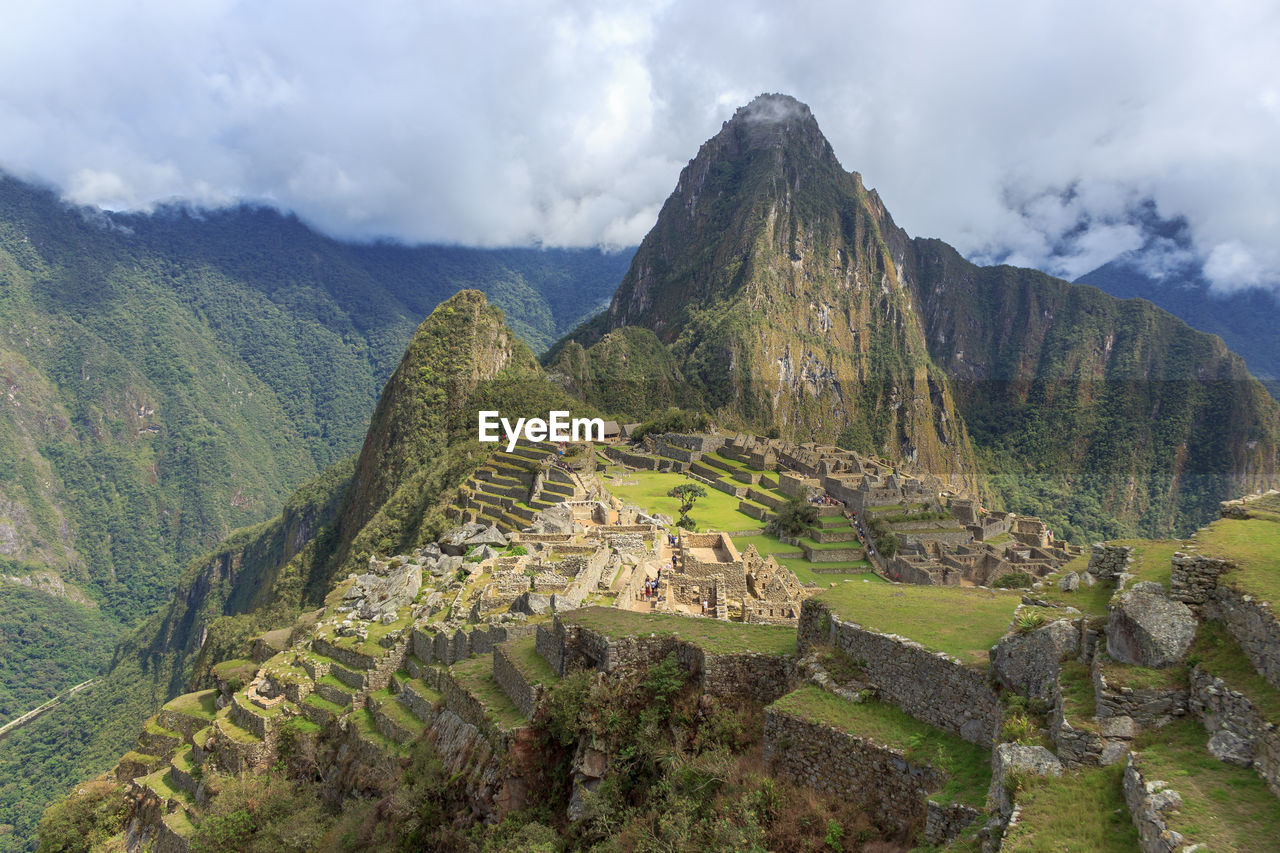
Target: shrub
{"points": [[1013, 580], [1028, 620], [795, 516]]}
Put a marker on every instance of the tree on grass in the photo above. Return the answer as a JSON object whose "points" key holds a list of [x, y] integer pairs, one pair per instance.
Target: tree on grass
{"points": [[686, 493], [796, 516]]}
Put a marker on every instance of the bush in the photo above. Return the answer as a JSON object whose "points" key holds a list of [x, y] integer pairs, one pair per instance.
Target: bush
{"points": [[86, 818], [1013, 580], [795, 516]]}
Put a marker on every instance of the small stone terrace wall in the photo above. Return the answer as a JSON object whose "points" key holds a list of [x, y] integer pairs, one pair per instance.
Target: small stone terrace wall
{"points": [[930, 686], [892, 789]]}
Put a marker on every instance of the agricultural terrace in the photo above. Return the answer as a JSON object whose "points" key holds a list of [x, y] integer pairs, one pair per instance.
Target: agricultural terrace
{"points": [[1254, 545], [968, 765], [960, 621]]}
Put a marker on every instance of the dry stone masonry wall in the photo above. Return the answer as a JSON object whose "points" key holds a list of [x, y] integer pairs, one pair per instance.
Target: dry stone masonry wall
{"points": [[893, 790], [930, 686]]}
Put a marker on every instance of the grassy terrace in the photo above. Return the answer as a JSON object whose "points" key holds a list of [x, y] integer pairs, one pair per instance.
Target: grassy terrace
{"points": [[233, 731], [398, 712], [1219, 654], [964, 622], [475, 675], [1225, 807], [709, 634], [1254, 544], [523, 654], [1152, 561], [1079, 702], [237, 669], [1090, 600], [1076, 811], [317, 701], [804, 570], [717, 511], [967, 765], [201, 705], [368, 729]]}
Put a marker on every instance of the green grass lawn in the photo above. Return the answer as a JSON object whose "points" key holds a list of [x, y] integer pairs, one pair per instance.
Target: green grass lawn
{"points": [[1254, 544], [717, 511], [964, 622], [766, 544], [1082, 811], [1225, 807], [1219, 654], [968, 765], [1152, 558], [710, 634]]}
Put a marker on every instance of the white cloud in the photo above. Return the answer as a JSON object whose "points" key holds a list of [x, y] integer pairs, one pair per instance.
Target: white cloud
{"points": [[1016, 131]]}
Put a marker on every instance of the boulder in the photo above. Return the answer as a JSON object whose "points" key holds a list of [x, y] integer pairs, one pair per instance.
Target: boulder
{"points": [[555, 519], [453, 542], [385, 589], [532, 603], [1228, 746], [1088, 579], [1069, 582], [489, 536], [484, 552], [1146, 628], [1028, 663], [1016, 758]]}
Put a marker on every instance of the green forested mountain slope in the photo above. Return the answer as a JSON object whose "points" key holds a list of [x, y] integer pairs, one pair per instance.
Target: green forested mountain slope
{"points": [[420, 446], [165, 379], [1105, 416]]}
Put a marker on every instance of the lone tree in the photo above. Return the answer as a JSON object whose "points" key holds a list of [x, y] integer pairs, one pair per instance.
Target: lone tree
{"points": [[796, 516], [687, 493]]}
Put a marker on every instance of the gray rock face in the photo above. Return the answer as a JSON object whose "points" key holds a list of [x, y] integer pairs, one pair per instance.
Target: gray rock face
{"points": [[1009, 758], [384, 589], [532, 603], [1069, 582], [554, 519], [1028, 663], [1148, 629], [1228, 746], [489, 536], [454, 541]]}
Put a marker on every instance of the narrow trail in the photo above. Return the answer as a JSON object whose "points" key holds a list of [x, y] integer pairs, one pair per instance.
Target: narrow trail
{"points": [[30, 716]]}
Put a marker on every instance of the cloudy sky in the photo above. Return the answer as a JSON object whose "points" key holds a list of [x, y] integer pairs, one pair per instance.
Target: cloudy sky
{"points": [[1032, 133]]}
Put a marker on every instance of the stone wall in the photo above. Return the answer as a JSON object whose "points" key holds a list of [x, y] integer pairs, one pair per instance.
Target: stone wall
{"points": [[892, 789], [1238, 733], [1148, 801], [1253, 624], [1109, 562], [930, 686], [522, 692], [760, 676], [1146, 706], [633, 460], [448, 647], [1195, 578]]}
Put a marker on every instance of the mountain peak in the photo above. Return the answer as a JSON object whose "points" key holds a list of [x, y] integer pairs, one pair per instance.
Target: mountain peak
{"points": [[773, 108]]}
